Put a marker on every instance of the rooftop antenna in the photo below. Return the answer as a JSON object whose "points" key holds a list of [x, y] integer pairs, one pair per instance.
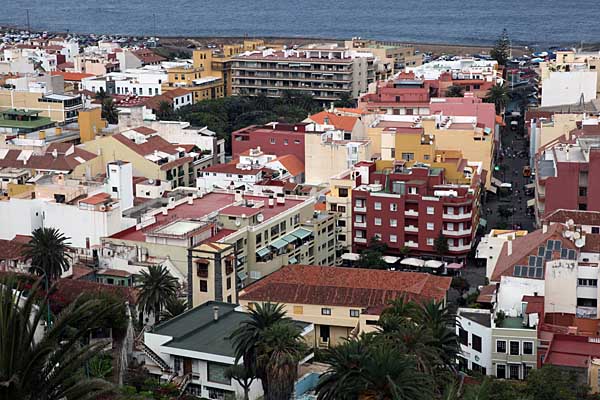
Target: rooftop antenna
{"points": [[28, 24], [154, 24]]}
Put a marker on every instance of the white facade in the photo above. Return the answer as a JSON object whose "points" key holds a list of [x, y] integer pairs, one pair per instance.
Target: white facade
{"points": [[140, 82], [120, 182], [569, 87], [511, 292], [243, 175], [482, 357]]}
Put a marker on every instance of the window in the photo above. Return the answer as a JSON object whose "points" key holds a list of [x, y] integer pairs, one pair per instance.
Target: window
{"points": [[325, 311], [513, 371], [586, 302], [393, 223], [476, 342], [354, 313], [587, 282], [258, 239], [501, 371], [430, 226], [296, 141], [393, 238], [377, 205], [583, 191], [272, 140], [430, 241], [463, 336], [393, 207], [229, 283], [500, 346], [450, 211], [527, 347], [377, 221], [595, 230], [430, 210], [285, 142], [412, 190], [514, 348], [408, 156], [203, 286], [218, 373], [359, 218], [359, 203], [343, 192], [526, 369], [450, 226], [298, 310]]}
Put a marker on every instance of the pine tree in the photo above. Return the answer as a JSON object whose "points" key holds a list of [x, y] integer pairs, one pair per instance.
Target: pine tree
{"points": [[501, 51]]}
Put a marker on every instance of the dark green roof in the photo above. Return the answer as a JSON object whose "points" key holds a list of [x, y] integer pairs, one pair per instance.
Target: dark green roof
{"points": [[20, 113]]}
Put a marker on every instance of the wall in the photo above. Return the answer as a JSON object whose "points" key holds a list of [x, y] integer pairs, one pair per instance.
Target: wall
{"points": [[568, 87], [483, 357], [29, 100], [561, 287], [512, 290]]}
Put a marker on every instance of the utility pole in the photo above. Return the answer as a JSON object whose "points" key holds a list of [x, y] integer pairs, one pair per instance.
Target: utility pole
{"points": [[28, 24], [154, 24]]}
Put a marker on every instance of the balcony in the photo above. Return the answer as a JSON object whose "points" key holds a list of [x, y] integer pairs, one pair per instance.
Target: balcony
{"points": [[360, 224], [411, 213], [411, 244], [360, 209], [460, 232], [586, 312], [458, 216], [360, 240], [411, 228], [464, 247]]}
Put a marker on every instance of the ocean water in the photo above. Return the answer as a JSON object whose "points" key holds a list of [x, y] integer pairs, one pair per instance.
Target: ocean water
{"points": [[531, 22]]}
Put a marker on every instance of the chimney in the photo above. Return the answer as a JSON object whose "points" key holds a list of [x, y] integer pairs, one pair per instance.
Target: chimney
{"points": [[509, 247], [545, 228], [271, 202], [190, 200], [281, 200], [215, 313], [238, 196], [165, 211], [55, 153]]}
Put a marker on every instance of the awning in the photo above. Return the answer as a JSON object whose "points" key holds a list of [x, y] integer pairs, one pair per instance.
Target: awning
{"points": [[242, 275], [492, 189], [350, 256], [531, 203], [455, 266], [390, 259], [413, 262], [263, 252], [496, 181], [483, 222], [278, 244], [530, 186], [289, 238], [487, 131], [301, 233], [293, 260], [433, 264]]}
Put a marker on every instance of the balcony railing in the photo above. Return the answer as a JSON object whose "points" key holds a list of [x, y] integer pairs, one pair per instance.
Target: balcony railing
{"points": [[464, 247], [411, 213], [458, 216], [360, 224], [460, 232], [360, 240], [360, 209], [411, 228], [411, 244]]}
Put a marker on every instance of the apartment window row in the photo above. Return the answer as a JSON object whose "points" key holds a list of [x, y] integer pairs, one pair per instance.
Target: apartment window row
{"points": [[512, 371], [515, 347], [285, 141], [354, 313], [587, 282]]}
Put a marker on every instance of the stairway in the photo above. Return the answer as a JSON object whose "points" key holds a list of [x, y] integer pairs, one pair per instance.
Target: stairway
{"points": [[155, 357]]}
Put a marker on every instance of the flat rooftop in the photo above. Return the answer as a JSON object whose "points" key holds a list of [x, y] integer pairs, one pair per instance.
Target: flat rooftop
{"points": [[201, 207]]}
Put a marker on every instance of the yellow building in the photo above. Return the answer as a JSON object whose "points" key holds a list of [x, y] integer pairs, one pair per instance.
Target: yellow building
{"points": [[193, 78], [213, 273], [61, 108], [339, 201], [332, 298], [427, 139], [90, 123]]}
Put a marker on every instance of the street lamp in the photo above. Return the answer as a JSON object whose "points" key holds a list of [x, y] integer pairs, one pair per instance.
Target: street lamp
{"points": [[45, 275]]}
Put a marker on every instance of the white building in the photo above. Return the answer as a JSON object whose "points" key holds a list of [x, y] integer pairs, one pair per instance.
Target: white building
{"points": [[571, 87], [145, 81], [195, 346], [464, 68], [120, 178]]}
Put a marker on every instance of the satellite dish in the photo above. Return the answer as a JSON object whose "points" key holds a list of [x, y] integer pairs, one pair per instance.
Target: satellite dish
{"points": [[576, 235], [568, 234], [570, 222], [579, 243], [260, 217], [238, 222]]}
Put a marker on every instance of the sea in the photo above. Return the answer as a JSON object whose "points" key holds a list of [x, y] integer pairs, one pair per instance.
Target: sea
{"points": [[530, 22]]}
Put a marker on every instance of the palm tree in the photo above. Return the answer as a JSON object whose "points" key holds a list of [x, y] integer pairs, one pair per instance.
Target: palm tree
{"points": [[279, 352], [173, 307], [165, 110], [244, 377], [47, 252], [248, 336], [101, 95], [37, 364], [400, 307], [436, 318], [498, 94], [109, 111], [156, 288], [455, 91]]}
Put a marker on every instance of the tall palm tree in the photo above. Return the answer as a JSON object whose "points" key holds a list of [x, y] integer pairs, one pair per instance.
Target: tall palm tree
{"points": [[101, 95], [400, 307], [156, 288], [109, 111], [47, 252], [173, 307], [279, 352], [45, 365], [436, 318], [498, 94], [248, 336]]}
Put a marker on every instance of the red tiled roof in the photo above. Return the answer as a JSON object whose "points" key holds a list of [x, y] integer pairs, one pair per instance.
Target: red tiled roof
{"points": [[524, 246], [148, 56], [486, 294], [11, 250], [96, 199], [79, 271], [69, 290], [231, 168], [153, 143], [72, 76], [337, 286], [571, 351], [341, 122], [115, 272], [178, 92], [535, 304], [579, 217], [292, 164], [176, 163], [144, 130], [46, 161]]}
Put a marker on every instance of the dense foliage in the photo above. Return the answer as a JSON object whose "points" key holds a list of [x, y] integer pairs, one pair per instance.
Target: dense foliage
{"points": [[48, 253], [501, 50]]}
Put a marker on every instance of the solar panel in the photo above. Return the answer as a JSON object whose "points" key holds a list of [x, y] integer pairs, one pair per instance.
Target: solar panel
{"points": [[531, 272], [557, 245], [541, 251], [539, 272], [548, 255], [571, 254], [564, 253], [517, 270], [539, 261], [532, 260]]}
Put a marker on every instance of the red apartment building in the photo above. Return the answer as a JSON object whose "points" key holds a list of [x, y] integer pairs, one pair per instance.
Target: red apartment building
{"points": [[412, 207], [274, 138], [568, 176], [404, 95]]}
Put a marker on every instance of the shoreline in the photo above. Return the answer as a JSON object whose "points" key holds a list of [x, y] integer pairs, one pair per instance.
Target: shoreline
{"points": [[437, 48]]}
